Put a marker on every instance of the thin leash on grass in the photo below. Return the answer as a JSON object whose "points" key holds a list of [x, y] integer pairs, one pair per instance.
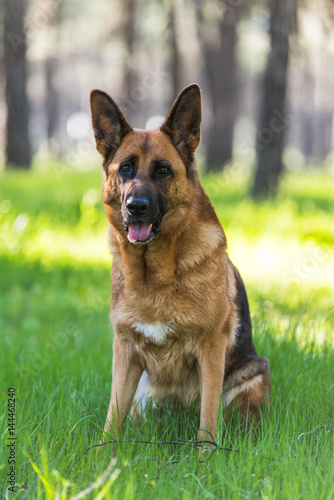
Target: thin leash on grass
{"points": [[207, 445], [304, 434]]}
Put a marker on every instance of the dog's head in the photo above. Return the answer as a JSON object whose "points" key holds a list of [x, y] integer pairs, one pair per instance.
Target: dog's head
{"points": [[147, 173]]}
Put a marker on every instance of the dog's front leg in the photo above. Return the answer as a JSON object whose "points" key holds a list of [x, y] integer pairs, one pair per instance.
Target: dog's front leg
{"points": [[211, 365], [126, 375]]}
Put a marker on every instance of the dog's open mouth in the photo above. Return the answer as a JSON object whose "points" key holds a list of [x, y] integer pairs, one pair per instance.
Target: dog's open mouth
{"points": [[142, 232]]}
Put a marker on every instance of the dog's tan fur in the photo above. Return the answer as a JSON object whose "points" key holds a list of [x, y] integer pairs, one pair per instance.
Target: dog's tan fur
{"points": [[181, 285]]}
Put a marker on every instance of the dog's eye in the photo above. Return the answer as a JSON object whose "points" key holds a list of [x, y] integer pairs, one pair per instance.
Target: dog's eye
{"points": [[163, 170], [125, 169]]}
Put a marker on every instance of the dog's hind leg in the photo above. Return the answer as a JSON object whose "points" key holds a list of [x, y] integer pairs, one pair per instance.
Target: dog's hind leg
{"points": [[246, 380], [247, 386]]}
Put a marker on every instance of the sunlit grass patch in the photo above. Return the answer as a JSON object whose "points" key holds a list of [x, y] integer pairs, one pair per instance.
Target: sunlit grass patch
{"points": [[59, 245], [59, 221], [295, 213]]}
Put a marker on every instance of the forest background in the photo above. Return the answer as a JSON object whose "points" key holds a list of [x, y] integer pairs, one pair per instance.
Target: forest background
{"points": [[266, 161]]}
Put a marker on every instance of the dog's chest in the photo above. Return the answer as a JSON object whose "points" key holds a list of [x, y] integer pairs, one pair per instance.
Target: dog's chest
{"points": [[180, 310], [162, 318], [166, 352], [156, 332]]}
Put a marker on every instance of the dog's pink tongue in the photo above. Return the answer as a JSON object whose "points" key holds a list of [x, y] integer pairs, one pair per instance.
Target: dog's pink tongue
{"points": [[139, 231]]}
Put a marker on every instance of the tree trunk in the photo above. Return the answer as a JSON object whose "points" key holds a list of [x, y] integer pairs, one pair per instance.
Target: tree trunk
{"points": [[52, 97], [175, 60], [52, 104], [130, 97], [220, 65], [18, 149], [273, 119]]}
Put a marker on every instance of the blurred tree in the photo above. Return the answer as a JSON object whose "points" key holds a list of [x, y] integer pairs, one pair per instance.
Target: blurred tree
{"points": [[175, 60], [18, 149], [51, 101], [51, 72], [129, 37], [218, 38], [308, 108], [273, 119]]}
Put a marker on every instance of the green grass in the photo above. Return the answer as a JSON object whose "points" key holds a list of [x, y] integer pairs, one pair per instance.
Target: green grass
{"points": [[56, 346]]}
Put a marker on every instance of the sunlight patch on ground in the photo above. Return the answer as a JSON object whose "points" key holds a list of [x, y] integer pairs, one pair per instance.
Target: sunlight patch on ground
{"points": [[57, 247], [285, 261]]}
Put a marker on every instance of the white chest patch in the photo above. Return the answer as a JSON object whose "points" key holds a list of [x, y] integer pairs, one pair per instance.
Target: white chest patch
{"points": [[156, 331]]}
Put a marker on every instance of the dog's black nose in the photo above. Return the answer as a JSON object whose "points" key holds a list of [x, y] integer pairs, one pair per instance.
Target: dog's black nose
{"points": [[137, 205]]}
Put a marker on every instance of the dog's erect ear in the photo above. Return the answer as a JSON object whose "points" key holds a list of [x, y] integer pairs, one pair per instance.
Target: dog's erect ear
{"points": [[183, 122], [109, 123]]}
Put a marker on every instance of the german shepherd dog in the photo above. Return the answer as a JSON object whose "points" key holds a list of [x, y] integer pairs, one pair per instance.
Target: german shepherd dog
{"points": [[178, 305]]}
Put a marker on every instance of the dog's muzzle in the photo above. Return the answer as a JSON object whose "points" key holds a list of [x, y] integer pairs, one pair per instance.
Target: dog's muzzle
{"points": [[142, 224]]}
